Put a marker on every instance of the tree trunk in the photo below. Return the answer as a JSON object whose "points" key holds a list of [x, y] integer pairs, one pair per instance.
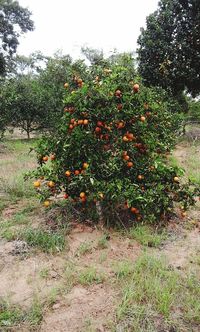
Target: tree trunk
{"points": [[100, 214]]}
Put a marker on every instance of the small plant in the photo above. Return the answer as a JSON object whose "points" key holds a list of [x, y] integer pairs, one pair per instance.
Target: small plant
{"points": [[84, 248], [9, 316], [45, 240], [123, 269], [103, 242], [90, 276], [147, 236]]}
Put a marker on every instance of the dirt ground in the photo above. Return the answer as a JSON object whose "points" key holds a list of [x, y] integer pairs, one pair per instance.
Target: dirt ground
{"points": [[70, 304]]}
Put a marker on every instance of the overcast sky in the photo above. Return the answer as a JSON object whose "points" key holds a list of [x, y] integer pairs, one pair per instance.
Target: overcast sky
{"points": [[70, 24]]}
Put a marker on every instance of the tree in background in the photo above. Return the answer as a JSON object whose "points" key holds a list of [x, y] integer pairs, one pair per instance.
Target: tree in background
{"points": [[14, 20], [169, 47], [32, 96]]}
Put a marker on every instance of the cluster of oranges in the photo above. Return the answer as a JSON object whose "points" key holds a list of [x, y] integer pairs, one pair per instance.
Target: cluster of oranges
{"points": [[68, 173]]}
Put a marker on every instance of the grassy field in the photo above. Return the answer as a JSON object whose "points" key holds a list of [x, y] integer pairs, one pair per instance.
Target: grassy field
{"points": [[55, 277]]}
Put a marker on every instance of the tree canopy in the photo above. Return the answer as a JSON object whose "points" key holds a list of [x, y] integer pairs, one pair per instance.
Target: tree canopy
{"points": [[169, 47], [14, 20]]}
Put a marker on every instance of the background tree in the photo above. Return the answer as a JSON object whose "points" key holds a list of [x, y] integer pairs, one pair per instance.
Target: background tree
{"points": [[14, 20], [169, 47]]}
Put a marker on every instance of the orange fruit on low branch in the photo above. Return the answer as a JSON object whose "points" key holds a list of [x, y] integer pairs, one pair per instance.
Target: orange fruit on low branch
{"points": [[45, 158], [46, 203], [36, 184], [66, 85], [65, 196], [51, 184], [142, 118], [67, 173], [77, 172], [82, 194]]}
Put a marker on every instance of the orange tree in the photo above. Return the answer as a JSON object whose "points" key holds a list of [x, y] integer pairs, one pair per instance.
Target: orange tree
{"points": [[109, 149]]}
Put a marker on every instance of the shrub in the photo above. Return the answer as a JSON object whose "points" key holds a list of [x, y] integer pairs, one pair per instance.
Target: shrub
{"points": [[109, 150]]}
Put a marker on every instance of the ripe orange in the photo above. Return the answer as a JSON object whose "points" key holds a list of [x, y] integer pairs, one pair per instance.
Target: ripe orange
{"points": [[130, 136], [65, 196], [126, 157], [82, 195], [85, 122], [46, 203], [118, 93], [120, 125], [142, 118], [136, 87], [97, 130], [71, 126], [83, 199], [36, 184], [130, 164], [140, 177], [45, 158], [133, 210], [77, 172], [79, 81], [67, 173], [53, 157], [51, 184], [80, 122], [85, 165], [66, 85], [176, 179], [99, 123], [125, 139]]}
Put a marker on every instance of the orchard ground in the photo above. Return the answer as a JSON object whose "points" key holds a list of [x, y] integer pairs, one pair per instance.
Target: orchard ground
{"points": [[67, 276]]}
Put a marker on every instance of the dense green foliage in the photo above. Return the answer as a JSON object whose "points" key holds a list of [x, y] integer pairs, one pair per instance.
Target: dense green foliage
{"points": [[169, 47], [111, 145]]}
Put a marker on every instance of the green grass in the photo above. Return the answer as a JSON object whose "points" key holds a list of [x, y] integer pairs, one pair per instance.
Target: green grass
{"points": [[123, 268], [102, 242], [151, 290], [84, 248], [35, 313], [89, 276], [147, 236], [12, 316], [44, 240], [9, 316]]}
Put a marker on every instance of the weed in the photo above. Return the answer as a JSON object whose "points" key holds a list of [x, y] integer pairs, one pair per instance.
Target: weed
{"points": [[35, 314], [147, 236], [9, 316], [46, 241], [84, 248], [44, 273], [90, 276], [123, 269], [103, 242]]}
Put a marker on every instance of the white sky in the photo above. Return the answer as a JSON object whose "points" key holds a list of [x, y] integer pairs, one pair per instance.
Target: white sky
{"points": [[70, 24]]}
